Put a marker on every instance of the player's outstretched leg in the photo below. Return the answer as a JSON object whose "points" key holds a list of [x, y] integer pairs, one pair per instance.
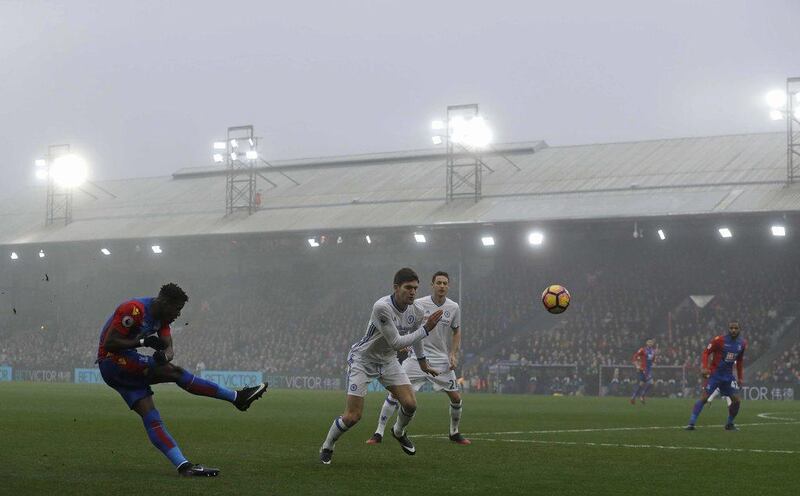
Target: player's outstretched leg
{"points": [[241, 399], [387, 411], [408, 405], [456, 407], [733, 410]]}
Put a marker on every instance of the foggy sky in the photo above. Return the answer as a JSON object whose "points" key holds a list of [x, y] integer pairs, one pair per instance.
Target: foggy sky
{"points": [[142, 88]]}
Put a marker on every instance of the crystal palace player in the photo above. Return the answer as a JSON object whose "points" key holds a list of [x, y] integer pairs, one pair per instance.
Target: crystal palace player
{"points": [[395, 323], [145, 322], [643, 360], [436, 352], [727, 350]]}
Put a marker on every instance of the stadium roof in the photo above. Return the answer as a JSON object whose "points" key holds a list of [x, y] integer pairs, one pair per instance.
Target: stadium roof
{"points": [[529, 182]]}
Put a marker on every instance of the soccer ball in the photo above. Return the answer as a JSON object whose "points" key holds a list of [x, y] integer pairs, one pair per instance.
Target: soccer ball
{"points": [[555, 298]]}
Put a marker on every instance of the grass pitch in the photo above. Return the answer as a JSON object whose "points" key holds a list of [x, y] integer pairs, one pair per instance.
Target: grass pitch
{"points": [[79, 439]]}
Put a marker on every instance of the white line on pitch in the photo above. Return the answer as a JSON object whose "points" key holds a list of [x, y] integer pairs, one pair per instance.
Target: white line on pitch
{"points": [[641, 446], [606, 429], [767, 415]]}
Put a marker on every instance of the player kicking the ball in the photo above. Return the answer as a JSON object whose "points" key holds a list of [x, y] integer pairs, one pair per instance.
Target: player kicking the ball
{"points": [[145, 322], [395, 323], [441, 360]]}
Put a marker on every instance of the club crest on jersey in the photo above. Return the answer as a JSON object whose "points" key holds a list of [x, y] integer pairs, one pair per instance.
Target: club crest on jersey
{"points": [[135, 311], [410, 319], [127, 321], [447, 313]]}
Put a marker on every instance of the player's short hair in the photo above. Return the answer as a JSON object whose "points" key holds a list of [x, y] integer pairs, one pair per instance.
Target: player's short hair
{"points": [[405, 275], [733, 321], [440, 273], [173, 293]]}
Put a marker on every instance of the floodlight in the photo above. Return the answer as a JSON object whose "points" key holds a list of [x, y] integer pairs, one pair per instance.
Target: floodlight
{"points": [[369, 240], [473, 132], [313, 243], [156, 249], [220, 145], [776, 98], [233, 155], [218, 158], [536, 238], [105, 251], [251, 155], [41, 253], [775, 115], [725, 232], [661, 234], [234, 143], [487, 241], [40, 162], [69, 171], [437, 140], [437, 125], [419, 238], [41, 174], [778, 231], [14, 255], [252, 143]]}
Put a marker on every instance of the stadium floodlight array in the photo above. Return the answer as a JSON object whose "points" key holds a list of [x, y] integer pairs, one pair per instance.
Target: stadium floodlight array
{"points": [[218, 158], [105, 251], [14, 255], [156, 249], [220, 145], [67, 171], [41, 254], [662, 235], [420, 238], [369, 240], [487, 240], [313, 243], [778, 230], [725, 232], [251, 155], [536, 238]]}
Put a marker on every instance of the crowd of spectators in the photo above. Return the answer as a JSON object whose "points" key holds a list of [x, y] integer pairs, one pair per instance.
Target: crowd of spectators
{"points": [[297, 321]]}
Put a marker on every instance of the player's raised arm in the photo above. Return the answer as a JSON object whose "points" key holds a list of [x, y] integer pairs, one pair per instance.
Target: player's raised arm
{"points": [[383, 322]]}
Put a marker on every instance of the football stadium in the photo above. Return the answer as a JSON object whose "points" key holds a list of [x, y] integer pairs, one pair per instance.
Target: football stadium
{"points": [[356, 248], [664, 240]]}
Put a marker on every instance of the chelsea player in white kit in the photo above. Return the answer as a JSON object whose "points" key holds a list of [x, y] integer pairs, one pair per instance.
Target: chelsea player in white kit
{"points": [[436, 352], [396, 323]]}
